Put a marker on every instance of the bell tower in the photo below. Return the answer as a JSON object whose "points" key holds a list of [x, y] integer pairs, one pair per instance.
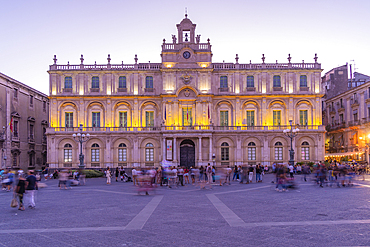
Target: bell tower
{"points": [[186, 51]]}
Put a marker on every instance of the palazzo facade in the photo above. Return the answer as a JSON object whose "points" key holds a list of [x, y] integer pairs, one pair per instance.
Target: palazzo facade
{"points": [[186, 110]]}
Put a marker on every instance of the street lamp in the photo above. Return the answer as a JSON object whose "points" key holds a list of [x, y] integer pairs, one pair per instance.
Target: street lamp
{"points": [[291, 133], [81, 138]]}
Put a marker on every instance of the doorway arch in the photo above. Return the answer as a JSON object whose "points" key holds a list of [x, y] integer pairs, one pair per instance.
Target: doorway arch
{"points": [[187, 153]]}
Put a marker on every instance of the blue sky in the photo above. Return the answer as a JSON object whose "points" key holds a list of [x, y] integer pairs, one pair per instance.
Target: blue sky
{"points": [[33, 31]]}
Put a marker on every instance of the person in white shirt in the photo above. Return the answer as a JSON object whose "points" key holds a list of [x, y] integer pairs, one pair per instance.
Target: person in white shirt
{"points": [[291, 169], [134, 176]]}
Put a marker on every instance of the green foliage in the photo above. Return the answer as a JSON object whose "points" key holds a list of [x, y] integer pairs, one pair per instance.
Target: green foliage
{"points": [[92, 173]]}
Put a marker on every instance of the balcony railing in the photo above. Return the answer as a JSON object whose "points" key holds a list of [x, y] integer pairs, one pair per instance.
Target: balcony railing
{"points": [[181, 128]]}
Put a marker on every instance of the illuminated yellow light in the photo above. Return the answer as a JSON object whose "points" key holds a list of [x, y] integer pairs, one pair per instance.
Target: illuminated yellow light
{"points": [[169, 65], [360, 137], [54, 93], [81, 92], [317, 90], [204, 65], [290, 89], [237, 90]]}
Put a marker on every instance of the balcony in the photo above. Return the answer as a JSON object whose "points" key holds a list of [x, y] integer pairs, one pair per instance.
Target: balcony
{"points": [[149, 90], [251, 89], [304, 89], [354, 122], [94, 90], [193, 128], [122, 90], [277, 89], [67, 90], [31, 139], [223, 89], [354, 102]]}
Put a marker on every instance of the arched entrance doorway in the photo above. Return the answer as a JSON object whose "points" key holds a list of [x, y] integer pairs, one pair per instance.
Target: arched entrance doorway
{"points": [[187, 153]]}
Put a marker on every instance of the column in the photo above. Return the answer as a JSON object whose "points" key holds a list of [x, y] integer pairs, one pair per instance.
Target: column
{"points": [[210, 149], [200, 150], [164, 147], [174, 151]]}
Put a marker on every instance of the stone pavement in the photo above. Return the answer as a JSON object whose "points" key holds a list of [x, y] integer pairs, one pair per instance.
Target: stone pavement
{"points": [[237, 215]]}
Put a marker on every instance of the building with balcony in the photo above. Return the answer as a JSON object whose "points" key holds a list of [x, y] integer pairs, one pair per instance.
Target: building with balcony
{"points": [[348, 120], [186, 109], [24, 114]]}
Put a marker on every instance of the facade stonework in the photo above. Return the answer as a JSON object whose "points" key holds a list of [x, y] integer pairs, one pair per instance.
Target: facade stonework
{"points": [[23, 142], [186, 109]]}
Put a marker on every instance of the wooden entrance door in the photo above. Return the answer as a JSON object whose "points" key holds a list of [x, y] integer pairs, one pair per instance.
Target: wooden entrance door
{"points": [[187, 153]]}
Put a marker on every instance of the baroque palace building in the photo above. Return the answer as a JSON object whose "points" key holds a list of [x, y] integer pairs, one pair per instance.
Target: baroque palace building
{"points": [[186, 110]]}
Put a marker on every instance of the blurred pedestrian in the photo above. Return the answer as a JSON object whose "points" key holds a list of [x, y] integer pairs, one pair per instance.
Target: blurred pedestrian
{"points": [[108, 175], [20, 190], [31, 187]]}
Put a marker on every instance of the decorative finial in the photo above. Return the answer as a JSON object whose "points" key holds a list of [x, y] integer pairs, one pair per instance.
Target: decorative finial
{"points": [[250, 61], [108, 59], [68, 63], [135, 58], [289, 58], [95, 63], [55, 59], [302, 61], [237, 58], [164, 41], [186, 12], [208, 40], [82, 59], [276, 62], [315, 58], [263, 58]]}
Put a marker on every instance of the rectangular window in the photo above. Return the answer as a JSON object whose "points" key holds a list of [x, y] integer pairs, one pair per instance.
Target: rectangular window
{"points": [[250, 81], [276, 81], [224, 118], [122, 82], [31, 100], [69, 119], [277, 118], [95, 155], [149, 82], [225, 154], [31, 132], [15, 160], [341, 118], [305, 153], [303, 81], [123, 119], [149, 154], [15, 128], [332, 121], [95, 82], [355, 116], [122, 154], [96, 119], [368, 112], [223, 82], [68, 82], [187, 119], [250, 118], [252, 153], [278, 153], [16, 93], [303, 117], [341, 103], [67, 155], [44, 105], [149, 118]]}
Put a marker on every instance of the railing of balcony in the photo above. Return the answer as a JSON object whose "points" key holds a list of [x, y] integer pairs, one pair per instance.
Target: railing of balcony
{"points": [[184, 128], [140, 66]]}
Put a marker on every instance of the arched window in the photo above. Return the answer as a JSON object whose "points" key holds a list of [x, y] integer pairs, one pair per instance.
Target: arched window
{"points": [[122, 152], [122, 82], [95, 153], [276, 81], [149, 82], [67, 153], [303, 81], [223, 82], [95, 82], [305, 151], [278, 151], [251, 151], [224, 151], [149, 152], [68, 82], [250, 81]]}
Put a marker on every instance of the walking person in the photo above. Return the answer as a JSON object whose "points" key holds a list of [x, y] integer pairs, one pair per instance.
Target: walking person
{"points": [[20, 190], [209, 173], [258, 174], [117, 173], [228, 172], [31, 187], [235, 173], [250, 172], [186, 175], [180, 175], [108, 175], [201, 172], [134, 176]]}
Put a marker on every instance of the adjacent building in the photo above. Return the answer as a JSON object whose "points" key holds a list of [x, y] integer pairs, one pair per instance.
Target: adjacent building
{"points": [[186, 109], [23, 121], [346, 114]]}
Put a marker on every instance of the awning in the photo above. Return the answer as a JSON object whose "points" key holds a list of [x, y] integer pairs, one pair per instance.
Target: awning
{"points": [[342, 154]]}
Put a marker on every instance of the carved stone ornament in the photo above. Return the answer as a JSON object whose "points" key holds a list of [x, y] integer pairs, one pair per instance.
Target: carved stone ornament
{"points": [[187, 93], [186, 79]]}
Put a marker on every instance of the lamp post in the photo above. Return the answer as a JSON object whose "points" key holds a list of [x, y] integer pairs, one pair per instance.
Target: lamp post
{"points": [[291, 133], [81, 138]]}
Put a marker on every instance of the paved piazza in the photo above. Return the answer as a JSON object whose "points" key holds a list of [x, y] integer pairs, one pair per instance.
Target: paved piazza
{"points": [[241, 215]]}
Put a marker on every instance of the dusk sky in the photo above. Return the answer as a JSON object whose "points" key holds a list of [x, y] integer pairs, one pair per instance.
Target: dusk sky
{"points": [[32, 32]]}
